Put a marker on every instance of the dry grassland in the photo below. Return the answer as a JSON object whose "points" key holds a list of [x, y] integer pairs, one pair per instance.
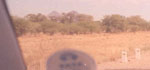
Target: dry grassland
{"points": [[102, 47]]}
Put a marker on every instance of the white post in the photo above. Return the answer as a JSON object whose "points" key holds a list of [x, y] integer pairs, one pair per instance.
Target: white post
{"points": [[124, 57], [138, 53]]}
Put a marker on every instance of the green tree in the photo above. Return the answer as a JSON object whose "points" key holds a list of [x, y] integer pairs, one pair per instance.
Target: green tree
{"points": [[114, 23], [21, 25], [34, 27], [136, 23], [55, 16], [49, 27], [74, 17], [36, 17], [84, 18]]}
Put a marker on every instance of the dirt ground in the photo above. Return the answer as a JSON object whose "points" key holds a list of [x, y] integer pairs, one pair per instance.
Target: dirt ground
{"points": [[132, 64], [105, 48]]}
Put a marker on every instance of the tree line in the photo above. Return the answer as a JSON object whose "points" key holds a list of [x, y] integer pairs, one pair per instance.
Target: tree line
{"points": [[77, 23]]}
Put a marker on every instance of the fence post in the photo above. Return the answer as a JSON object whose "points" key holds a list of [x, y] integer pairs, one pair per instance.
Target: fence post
{"points": [[124, 57], [138, 53]]}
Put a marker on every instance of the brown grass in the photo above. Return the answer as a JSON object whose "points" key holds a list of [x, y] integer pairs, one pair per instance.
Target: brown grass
{"points": [[102, 47]]}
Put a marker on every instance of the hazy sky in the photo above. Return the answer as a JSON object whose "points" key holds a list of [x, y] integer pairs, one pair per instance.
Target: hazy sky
{"points": [[96, 8]]}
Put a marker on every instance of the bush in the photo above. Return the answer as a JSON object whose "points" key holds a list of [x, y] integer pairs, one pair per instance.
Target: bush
{"points": [[49, 27], [34, 27], [114, 23], [136, 23], [89, 27], [21, 25], [110, 24]]}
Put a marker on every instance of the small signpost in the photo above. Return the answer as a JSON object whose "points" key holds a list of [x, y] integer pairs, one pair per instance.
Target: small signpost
{"points": [[138, 53], [124, 57]]}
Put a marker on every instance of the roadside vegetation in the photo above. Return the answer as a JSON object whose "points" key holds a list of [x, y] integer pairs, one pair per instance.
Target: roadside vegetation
{"points": [[76, 23]]}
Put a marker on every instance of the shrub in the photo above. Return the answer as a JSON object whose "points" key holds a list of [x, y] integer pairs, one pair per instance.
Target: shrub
{"points": [[20, 25], [49, 27], [114, 23]]}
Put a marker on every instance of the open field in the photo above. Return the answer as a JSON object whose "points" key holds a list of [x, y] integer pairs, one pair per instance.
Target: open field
{"points": [[102, 47]]}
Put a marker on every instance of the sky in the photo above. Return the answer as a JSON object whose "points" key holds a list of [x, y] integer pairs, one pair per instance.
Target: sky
{"points": [[96, 8]]}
